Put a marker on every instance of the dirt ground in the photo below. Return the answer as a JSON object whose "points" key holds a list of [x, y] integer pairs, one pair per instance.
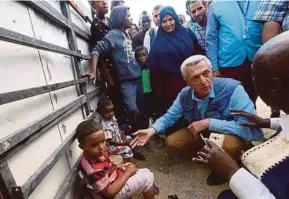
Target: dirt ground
{"points": [[179, 175]]}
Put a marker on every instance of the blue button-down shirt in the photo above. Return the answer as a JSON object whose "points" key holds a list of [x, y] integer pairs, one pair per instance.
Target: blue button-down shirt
{"points": [[239, 101], [232, 36]]}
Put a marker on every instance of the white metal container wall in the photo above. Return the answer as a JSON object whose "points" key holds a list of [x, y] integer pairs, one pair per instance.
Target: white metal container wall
{"points": [[23, 67]]}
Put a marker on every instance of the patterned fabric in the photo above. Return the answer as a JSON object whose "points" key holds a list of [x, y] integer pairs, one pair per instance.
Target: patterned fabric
{"points": [[113, 133], [98, 30], [98, 175], [200, 33], [274, 10], [111, 130], [124, 150]]}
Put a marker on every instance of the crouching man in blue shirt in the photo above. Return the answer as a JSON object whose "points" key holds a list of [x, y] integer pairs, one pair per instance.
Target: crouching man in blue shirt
{"points": [[205, 103]]}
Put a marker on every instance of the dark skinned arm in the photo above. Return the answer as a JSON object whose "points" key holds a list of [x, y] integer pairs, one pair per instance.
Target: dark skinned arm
{"points": [[270, 30], [117, 185]]}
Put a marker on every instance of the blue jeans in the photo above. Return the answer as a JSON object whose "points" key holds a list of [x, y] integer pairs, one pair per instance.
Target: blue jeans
{"points": [[132, 94]]}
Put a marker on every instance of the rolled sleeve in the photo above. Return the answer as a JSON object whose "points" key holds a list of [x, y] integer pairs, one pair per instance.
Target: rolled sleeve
{"points": [[239, 101], [216, 125], [212, 38], [275, 123], [246, 186], [169, 119], [105, 45]]}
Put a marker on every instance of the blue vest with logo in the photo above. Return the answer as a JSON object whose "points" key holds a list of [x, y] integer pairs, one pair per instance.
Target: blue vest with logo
{"points": [[223, 89]]}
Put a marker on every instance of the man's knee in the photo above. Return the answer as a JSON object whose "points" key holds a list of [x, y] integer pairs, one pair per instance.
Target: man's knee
{"points": [[172, 143], [182, 139], [233, 145]]}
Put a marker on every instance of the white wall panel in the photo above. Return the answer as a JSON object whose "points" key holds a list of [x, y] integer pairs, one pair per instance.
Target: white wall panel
{"points": [[48, 31], [55, 4], [20, 68], [16, 17], [50, 184], [85, 8], [73, 153], [24, 163], [85, 65]]}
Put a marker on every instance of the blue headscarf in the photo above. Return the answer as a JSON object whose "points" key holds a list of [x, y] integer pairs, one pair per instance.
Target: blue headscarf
{"points": [[169, 50], [117, 16]]}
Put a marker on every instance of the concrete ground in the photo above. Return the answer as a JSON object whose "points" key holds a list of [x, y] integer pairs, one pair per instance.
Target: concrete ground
{"points": [[177, 175]]}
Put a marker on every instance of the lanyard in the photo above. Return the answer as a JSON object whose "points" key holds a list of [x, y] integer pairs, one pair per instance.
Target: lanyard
{"points": [[241, 9], [244, 15]]}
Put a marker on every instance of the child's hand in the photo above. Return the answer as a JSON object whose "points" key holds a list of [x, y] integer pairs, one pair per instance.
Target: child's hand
{"points": [[125, 165], [131, 169]]}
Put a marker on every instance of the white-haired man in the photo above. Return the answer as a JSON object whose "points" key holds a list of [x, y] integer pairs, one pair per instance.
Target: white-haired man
{"points": [[205, 104]]}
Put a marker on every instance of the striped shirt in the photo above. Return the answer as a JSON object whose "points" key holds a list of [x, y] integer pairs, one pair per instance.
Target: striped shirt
{"points": [[99, 175], [274, 10], [111, 130], [200, 33]]}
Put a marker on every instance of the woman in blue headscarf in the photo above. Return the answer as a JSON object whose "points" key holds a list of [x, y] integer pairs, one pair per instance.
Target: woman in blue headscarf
{"points": [[172, 45]]}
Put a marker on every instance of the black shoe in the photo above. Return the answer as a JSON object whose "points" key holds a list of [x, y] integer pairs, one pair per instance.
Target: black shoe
{"points": [[173, 197], [138, 156], [214, 180]]}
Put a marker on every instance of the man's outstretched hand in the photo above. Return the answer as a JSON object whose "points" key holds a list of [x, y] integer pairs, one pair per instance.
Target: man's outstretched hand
{"points": [[254, 120], [217, 160], [142, 137]]}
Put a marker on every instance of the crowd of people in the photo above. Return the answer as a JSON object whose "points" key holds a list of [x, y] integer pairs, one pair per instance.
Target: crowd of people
{"points": [[197, 82]]}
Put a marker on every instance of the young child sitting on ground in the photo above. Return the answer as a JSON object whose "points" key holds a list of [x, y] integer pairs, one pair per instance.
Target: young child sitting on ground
{"points": [[103, 178], [141, 55], [118, 144]]}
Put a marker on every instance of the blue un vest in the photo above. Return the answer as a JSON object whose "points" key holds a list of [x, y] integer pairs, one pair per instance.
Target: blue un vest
{"points": [[223, 89]]}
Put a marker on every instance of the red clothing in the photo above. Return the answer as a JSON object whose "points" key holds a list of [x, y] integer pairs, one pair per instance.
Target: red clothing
{"points": [[100, 174], [166, 87]]}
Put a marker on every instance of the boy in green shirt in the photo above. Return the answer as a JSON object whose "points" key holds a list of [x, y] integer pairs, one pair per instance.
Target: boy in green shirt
{"points": [[141, 55]]}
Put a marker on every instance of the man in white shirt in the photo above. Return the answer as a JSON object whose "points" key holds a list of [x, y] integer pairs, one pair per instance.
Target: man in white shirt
{"points": [[150, 35], [271, 79]]}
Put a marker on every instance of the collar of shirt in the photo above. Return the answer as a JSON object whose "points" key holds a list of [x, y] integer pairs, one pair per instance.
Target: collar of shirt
{"points": [[111, 122], [203, 104], [210, 96]]}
